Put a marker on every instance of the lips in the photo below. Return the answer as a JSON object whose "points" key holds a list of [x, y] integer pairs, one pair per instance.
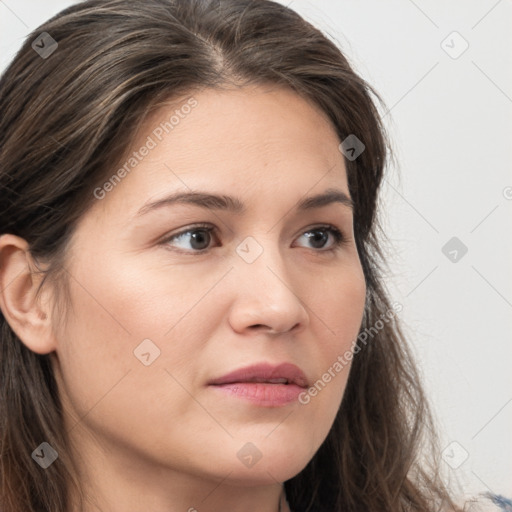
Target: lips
{"points": [[285, 373]]}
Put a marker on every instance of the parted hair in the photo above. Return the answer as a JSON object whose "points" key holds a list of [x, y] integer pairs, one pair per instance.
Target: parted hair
{"points": [[68, 119]]}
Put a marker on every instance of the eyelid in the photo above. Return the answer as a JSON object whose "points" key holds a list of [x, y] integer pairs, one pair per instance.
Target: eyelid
{"points": [[191, 227], [338, 233]]}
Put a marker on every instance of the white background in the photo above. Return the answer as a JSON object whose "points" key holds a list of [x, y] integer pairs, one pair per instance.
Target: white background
{"points": [[451, 126]]}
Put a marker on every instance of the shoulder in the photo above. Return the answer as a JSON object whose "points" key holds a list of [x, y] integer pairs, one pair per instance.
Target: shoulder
{"points": [[502, 503], [489, 502]]}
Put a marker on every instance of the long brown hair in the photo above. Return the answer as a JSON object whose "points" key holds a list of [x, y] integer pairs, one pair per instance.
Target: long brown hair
{"points": [[68, 117]]}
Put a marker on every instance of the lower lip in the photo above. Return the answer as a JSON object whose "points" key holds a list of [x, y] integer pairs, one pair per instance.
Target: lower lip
{"points": [[263, 394]]}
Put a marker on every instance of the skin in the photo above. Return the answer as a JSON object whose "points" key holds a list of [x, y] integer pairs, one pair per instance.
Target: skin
{"points": [[158, 437]]}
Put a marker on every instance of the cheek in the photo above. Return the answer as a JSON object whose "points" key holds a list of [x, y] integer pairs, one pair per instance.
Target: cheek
{"points": [[114, 309], [94, 346], [336, 312], [151, 297], [105, 387], [340, 305]]}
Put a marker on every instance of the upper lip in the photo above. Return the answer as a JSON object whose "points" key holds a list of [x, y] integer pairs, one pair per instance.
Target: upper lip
{"points": [[265, 372]]}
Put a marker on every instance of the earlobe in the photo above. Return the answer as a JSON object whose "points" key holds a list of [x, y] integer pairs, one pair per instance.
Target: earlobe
{"points": [[25, 311]]}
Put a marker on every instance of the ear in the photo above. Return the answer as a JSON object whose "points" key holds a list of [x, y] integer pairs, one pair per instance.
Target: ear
{"points": [[28, 314]]}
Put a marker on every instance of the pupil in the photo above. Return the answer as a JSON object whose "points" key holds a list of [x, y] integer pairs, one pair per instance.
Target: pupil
{"points": [[318, 236], [198, 238]]}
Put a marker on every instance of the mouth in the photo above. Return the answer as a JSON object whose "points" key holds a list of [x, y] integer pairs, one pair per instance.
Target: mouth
{"points": [[284, 373], [263, 384]]}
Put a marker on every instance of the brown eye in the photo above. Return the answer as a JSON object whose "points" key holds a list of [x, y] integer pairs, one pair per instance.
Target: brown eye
{"points": [[192, 240], [319, 237]]}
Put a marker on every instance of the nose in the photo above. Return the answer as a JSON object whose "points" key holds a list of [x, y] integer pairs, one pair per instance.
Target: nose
{"points": [[265, 299]]}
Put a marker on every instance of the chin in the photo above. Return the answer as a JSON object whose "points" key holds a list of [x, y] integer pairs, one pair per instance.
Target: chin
{"points": [[268, 463], [265, 474]]}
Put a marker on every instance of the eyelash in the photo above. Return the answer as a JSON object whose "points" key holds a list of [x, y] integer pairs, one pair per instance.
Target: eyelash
{"points": [[339, 238]]}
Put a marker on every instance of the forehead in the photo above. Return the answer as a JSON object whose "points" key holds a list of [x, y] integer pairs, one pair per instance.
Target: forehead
{"points": [[259, 138]]}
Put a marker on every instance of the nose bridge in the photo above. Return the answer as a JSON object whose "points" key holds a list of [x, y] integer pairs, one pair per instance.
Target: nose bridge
{"points": [[262, 261], [266, 296]]}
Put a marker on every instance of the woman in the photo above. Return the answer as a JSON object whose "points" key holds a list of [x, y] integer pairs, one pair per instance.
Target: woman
{"points": [[193, 313]]}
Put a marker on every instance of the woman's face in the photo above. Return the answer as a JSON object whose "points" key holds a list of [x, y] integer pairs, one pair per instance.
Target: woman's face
{"points": [[168, 296]]}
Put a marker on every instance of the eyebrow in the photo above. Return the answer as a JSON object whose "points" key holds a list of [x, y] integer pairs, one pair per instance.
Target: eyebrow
{"points": [[233, 204]]}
